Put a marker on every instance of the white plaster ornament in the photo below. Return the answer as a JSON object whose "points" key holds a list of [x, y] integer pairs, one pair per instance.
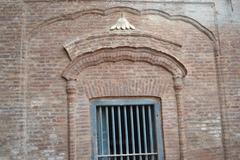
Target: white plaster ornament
{"points": [[122, 24]]}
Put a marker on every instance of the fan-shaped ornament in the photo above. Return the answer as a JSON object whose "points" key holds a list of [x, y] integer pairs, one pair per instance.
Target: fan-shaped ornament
{"points": [[122, 24]]}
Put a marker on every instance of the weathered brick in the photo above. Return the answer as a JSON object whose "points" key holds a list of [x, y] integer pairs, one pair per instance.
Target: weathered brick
{"points": [[55, 56]]}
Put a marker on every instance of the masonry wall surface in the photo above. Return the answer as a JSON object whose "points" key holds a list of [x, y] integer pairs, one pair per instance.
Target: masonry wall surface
{"points": [[34, 113]]}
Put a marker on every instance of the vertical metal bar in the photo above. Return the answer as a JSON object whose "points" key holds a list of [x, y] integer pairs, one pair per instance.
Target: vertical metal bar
{"points": [[108, 131], [144, 130], [150, 128], [101, 129], [139, 133], [126, 131], [120, 131], [114, 134], [133, 134]]}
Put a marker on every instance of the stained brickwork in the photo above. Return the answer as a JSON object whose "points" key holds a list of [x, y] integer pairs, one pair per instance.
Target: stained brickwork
{"points": [[11, 79], [58, 55]]}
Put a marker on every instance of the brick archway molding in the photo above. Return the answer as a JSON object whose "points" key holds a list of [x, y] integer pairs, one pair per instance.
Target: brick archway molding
{"points": [[85, 52]]}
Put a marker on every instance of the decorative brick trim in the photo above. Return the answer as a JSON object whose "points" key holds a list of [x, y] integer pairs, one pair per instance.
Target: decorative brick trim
{"points": [[95, 50], [90, 43], [178, 86], [72, 104], [134, 11], [148, 55]]}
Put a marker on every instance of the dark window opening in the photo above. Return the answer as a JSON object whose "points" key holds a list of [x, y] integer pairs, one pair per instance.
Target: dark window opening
{"points": [[127, 131]]}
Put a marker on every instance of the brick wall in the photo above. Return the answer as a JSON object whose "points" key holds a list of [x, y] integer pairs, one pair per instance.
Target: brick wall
{"points": [[34, 112], [11, 98], [229, 35]]}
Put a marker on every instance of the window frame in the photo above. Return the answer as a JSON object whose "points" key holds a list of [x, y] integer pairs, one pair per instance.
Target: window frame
{"points": [[128, 101]]}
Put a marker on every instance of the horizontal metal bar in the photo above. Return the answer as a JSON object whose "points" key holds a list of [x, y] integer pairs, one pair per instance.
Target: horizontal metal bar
{"points": [[123, 102], [118, 155]]}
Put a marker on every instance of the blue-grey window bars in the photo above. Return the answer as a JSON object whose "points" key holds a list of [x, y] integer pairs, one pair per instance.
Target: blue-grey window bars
{"points": [[128, 131]]}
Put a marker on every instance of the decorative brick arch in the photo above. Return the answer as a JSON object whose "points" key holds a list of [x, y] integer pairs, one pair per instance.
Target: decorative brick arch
{"points": [[140, 54], [90, 43], [84, 52], [112, 47]]}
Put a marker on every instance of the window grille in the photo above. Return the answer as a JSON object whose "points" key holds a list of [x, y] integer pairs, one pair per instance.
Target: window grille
{"points": [[127, 131]]}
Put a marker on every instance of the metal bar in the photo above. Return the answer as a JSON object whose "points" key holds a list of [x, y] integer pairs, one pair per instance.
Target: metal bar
{"points": [[126, 131], [108, 130], [150, 128], [101, 129], [139, 132], [120, 131], [144, 130], [113, 128], [133, 134], [118, 155]]}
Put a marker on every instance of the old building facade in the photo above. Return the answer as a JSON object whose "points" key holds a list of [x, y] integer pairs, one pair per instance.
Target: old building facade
{"points": [[61, 59]]}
